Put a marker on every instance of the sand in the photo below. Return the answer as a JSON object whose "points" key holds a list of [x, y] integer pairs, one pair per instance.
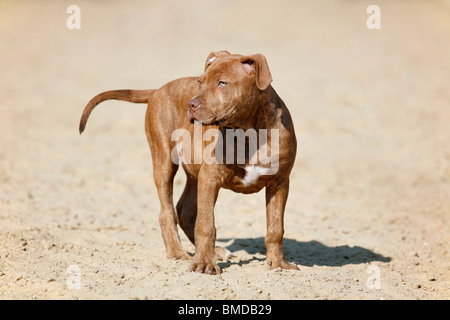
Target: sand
{"points": [[369, 206]]}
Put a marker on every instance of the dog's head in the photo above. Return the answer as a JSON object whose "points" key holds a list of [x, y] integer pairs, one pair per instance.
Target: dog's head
{"points": [[229, 88]]}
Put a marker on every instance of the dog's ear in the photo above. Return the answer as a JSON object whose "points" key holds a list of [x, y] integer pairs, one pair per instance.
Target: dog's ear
{"points": [[257, 65], [213, 56]]}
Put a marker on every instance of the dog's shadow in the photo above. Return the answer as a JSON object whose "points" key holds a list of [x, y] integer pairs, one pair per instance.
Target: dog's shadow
{"points": [[310, 253]]}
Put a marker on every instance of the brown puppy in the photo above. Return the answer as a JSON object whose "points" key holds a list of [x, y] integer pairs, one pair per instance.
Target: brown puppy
{"points": [[233, 93]]}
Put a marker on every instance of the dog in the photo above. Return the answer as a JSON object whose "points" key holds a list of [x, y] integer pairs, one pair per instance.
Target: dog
{"points": [[233, 93]]}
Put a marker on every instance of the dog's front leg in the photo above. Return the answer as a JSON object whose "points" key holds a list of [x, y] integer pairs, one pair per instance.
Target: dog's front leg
{"points": [[209, 183], [276, 197]]}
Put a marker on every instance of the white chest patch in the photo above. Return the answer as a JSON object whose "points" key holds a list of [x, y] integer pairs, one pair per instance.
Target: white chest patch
{"points": [[252, 174]]}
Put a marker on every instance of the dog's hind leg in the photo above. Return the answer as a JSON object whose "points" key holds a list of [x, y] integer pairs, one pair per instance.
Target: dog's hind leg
{"points": [[167, 217], [164, 170], [187, 207]]}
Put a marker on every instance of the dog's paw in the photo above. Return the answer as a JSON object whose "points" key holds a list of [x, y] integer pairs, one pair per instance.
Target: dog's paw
{"points": [[281, 263], [179, 255], [222, 254], [205, 267]]}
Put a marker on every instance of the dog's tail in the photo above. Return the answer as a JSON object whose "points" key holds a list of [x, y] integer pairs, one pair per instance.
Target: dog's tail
{"points": [[136, 96]]}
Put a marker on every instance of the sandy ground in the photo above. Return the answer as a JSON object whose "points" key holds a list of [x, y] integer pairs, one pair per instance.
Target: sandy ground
{"points": [[369, 207]]}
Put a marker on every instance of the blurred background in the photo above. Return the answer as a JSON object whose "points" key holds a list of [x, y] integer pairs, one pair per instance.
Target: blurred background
{"points": [[370, 107]]}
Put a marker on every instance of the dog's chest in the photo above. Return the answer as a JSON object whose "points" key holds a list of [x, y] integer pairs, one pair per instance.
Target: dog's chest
{"points": [[253, 174], [249, 179]]}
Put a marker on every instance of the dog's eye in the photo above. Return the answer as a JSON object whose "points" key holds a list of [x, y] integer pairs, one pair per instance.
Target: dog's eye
{"points": [[199, 82], [222, 84]]}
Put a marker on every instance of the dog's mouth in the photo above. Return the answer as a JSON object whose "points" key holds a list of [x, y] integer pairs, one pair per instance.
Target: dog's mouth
{"points": [[191, 116], [218, 123], [213, 121]]}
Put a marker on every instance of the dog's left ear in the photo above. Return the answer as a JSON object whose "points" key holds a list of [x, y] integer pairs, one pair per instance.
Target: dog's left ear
{"points": [[213, 56], [257, 65]]}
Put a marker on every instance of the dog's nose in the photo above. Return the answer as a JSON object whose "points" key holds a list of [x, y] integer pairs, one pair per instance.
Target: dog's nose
{"points": [[194, 104]]}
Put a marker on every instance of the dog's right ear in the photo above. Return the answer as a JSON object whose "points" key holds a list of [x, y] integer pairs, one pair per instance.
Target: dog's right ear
{"points": [[213, 56], [257, 65]]}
